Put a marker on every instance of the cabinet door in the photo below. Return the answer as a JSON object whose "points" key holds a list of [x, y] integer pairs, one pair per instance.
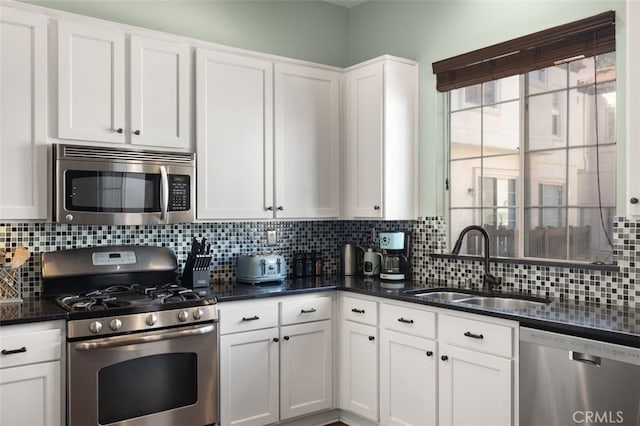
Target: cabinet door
{"points": [[364, 123], [359, 369], [159, 72], [23, 120], [475, 388], [307, 141], [407, 380], [234, 115], [90, 83], [633, 109], [305, 368], [30, 395], [249, 378]]}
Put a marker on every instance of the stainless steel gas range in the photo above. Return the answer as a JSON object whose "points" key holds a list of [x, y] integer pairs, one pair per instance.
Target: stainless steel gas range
{"points": [[141, 350]]}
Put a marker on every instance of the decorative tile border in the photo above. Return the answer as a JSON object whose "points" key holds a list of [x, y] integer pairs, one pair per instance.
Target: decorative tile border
{"points": [[230, 239]]}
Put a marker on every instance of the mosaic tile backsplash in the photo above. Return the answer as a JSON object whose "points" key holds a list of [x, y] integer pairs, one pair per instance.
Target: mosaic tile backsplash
{"points": [[230, 239]]}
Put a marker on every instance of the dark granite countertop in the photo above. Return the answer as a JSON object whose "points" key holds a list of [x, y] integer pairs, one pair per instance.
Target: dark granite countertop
{"points": [[30, 310], [613, 324]]}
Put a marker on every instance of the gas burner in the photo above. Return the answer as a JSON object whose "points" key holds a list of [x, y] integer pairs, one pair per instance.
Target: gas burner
{"points": [[91, 303]]}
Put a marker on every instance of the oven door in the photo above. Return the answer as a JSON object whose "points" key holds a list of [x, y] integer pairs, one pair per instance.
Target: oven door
{"points": [[165, 377]]}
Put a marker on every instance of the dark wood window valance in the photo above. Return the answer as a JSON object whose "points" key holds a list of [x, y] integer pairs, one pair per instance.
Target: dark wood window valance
{"points": [[589, 36]]}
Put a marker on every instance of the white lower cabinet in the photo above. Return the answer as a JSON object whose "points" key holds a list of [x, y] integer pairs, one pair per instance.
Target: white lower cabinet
{"points": [[276, 359], [30, 370]]}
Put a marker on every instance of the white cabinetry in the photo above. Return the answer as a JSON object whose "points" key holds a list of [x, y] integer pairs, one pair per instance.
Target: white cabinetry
{"points": [[359, 357], [92, 71], [381, 139], [23, 115], [408, 366], [269, 372], [307, 138], [476, 372], [234, 116], [30, 386], [633, 108]]}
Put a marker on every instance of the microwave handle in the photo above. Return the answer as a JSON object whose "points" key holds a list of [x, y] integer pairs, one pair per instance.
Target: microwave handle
{"points": [[164, 193]]}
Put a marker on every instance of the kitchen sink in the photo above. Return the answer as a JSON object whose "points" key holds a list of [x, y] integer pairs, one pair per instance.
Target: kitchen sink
{"points": [[498, 302], [450, 296]]}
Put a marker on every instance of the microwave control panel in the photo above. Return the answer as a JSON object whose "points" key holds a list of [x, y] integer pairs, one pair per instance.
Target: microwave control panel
{"points": [[179, 193]]}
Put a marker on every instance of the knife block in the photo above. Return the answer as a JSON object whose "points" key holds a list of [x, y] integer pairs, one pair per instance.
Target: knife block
{"points": [[197, 271]]}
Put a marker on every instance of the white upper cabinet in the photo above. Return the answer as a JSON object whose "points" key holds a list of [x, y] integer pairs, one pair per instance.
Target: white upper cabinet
{"points": [[159, 93], [90, 83], [23, 115], [307, 142], [381, 140], [234, 133], [92, 76]]}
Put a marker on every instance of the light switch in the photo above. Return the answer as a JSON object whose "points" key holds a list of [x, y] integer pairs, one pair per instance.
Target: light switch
{"points": [[272, 237]]}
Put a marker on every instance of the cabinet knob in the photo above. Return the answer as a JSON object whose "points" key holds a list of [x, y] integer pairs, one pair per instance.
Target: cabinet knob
{"points": [[376, 207], [372, 338], [137, 132], [429, 353], [286, 337], [633, 200], [444, 357], [119, 130], [280, 208], [276, 340]]}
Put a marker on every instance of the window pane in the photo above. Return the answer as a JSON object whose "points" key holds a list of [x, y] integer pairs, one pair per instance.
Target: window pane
{"points": [[503, 239], [503, 172], [460, 219], [548, 79], [582, 117], [501, 129], [581, 72], [547, 121], [465, 134], [465, 180], [587, 239], [583, 176], [545, 241], [545, 167], [505, 89]]}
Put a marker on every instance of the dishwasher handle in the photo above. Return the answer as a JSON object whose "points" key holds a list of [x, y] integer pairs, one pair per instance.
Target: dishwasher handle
{"points": [[585, 358]]}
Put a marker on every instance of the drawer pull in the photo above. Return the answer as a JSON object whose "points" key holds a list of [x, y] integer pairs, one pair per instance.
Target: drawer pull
{"points": [[14, 351], [429, 353], [307, 311], [372, 338], [406, 321], [253, 318], [474, 336], [358, 311]]}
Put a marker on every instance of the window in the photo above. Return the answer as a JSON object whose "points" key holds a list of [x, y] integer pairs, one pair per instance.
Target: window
{"points": [[529, 171]]}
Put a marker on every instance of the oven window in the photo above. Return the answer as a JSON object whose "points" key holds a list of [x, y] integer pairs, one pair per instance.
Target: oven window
{"points": [[112, 192], [147, 385]]}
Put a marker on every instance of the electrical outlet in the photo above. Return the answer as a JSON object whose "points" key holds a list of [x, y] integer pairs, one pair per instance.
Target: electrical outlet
{"points": [[272, 237], [373, 235]]}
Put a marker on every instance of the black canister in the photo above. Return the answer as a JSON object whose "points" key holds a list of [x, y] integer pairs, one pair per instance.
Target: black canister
{"points": [[310, 264], [298, 266]]}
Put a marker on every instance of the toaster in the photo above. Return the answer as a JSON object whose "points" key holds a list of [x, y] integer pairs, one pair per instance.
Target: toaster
{"points": [[260, 268]]}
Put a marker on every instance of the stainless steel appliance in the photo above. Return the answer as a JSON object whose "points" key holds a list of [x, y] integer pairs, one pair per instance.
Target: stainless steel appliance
{"points": [[141, 350], [260, 268], [109, 186], [351, 258], [395, 259], [371, 263], [566, 380]]}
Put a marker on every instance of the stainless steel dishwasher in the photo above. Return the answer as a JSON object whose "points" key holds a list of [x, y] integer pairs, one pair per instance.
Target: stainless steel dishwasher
{"points": [[566, 380]]}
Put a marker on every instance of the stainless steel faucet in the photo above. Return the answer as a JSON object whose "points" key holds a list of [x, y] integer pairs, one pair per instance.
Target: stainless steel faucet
{"points": [[489, 281]]}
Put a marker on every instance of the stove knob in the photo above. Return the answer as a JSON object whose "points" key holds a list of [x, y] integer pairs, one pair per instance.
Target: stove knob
{"points": [[95, 327], [183, 316], [197, 314], [152, 319], [115, 324]]}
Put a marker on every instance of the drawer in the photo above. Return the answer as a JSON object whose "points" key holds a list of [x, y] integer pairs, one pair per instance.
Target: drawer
{"points": [[477, 335], [408, 320], [30, 347], [304, 310], [247, 316], [364, 311]]}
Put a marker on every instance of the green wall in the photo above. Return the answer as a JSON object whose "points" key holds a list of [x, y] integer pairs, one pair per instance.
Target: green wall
{"points": [[430, 30], [310, 30]]}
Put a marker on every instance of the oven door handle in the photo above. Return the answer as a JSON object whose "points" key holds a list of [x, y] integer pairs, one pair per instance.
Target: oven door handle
{"points": [[164, 193], [111, 342]]}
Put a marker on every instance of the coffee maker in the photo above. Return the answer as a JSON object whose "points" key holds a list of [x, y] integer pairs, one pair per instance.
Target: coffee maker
{"points": [[395, 256]]}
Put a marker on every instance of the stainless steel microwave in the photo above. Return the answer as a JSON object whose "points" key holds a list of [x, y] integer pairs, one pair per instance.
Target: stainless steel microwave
{"points": [[113, 186]]}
